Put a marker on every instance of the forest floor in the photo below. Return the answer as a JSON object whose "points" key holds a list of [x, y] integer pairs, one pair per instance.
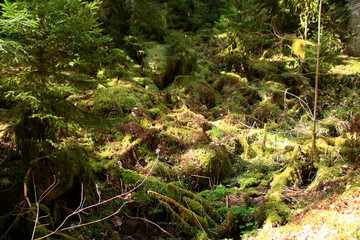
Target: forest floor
{"points": [[328, 215], [216, 154]]}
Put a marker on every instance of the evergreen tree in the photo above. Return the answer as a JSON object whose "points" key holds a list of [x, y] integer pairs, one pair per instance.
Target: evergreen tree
{"points": [[116, 14], [245, 24], [49, 49]]}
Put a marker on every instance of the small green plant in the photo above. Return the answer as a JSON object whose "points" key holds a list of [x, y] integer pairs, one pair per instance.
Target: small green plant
{"points": [[216, 133], [217, 194]]}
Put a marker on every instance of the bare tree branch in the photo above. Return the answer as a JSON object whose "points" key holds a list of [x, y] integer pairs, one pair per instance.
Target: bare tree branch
{"points": [[81, 209], [146, 220]]}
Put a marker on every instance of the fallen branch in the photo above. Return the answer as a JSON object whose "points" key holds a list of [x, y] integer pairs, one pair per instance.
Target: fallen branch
{"points": [[156, 225], [81, 209]]}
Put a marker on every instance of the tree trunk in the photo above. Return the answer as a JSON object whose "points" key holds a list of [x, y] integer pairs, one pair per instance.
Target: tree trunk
{"points": [[354, 44]]}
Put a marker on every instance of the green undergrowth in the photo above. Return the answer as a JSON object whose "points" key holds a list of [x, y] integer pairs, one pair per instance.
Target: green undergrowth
{"points": [[206, 146]]}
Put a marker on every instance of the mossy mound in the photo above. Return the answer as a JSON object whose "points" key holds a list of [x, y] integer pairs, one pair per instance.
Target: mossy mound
{"points": [[146, 83], [180, 130], [192, 213], [121, 99], [163, 62], [208, 164], [272, 214], [156, 62], [197, 94], [334, 217]]}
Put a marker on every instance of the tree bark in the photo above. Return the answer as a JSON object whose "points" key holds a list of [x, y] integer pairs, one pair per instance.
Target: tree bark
{"points": [[354, 24]]}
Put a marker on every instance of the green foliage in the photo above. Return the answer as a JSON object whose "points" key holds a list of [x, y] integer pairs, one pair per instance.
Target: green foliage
{"points": [[163, 62], [243, 23], [149, 19], [243, 216], [217, 194], [306, 10], [216, 133], [61, 78], [116, 14], [52, 67], [59, 49], [181, 54], [190, 15]]}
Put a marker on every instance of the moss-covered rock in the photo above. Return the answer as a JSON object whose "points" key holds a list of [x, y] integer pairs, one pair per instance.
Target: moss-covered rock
{"points": [[121, 99], [266, 110], [272, 214], [209, 164], [146, 83], [180, 130]]}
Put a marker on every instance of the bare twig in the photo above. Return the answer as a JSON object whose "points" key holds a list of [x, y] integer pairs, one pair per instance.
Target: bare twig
{"points": [[303, 104], [81, 209], [146, 220], [205, 177], [37, 203]]}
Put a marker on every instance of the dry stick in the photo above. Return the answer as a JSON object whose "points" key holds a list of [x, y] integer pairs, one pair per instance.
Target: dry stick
{"points": [[199, 176], [303, 104], [146, 220], [37, 203], [81, 209], [37, 211], [313, 148]]}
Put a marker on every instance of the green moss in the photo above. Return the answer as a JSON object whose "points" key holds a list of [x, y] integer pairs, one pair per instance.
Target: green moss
{"points": [[184, 128], [217, 194], [116, 101], [185, 227], [146, 83], [115, 236], [155, 113], [286, 178], [246, 182], [178, 193], [185, 216], [235, 76], [194, 92], [349, 66], [130, 177], [198, 208], [118, 151], [273, 220], [291, 176], [323, 221], [216, 134], [272, 214], [210, 161], [324, 174], [163, 170], [202, 236], [267, 110]]}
